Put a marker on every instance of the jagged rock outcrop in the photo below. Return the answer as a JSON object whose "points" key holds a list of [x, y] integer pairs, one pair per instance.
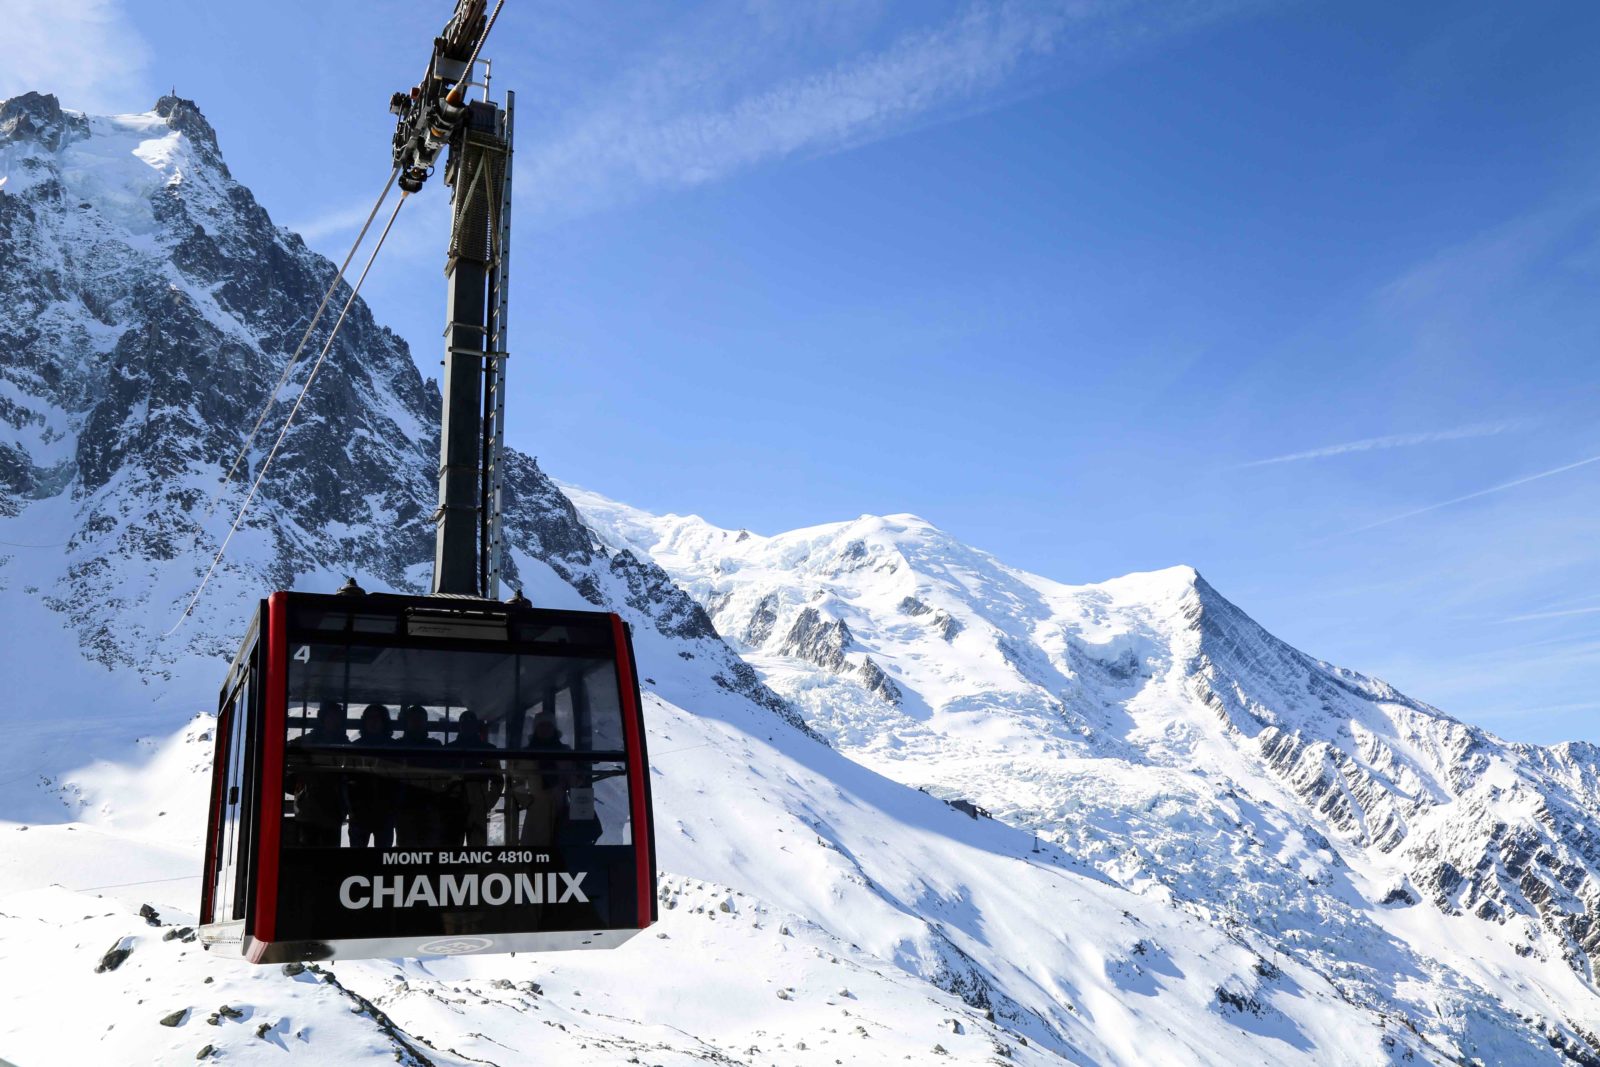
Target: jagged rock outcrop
{"points": [[817, 640], [877, 682]]}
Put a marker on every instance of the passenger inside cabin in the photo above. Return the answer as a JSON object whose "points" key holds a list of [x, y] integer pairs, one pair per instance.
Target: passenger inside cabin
{"points": [[546, 734], [318, 791], [418, 820], [329, 727], [477, 788], [372, 795], [542, 795], [376, 726]]}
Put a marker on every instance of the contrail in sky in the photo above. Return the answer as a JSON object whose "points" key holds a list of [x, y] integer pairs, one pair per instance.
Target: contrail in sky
{"points": [[1399, 440], [1474, 496], [1551, 614]]}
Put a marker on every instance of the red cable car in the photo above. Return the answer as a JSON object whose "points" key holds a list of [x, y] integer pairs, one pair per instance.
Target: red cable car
{"points": [[426, 775], [434, 775]]}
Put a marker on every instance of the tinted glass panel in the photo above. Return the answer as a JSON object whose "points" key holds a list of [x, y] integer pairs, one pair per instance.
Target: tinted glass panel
{"points": [[507, 700], [231, 834], [452, 790], [225, 832], [351, 796]]}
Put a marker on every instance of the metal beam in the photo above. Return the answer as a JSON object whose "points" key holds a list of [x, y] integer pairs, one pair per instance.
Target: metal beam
{"points": [[476, 173], [494, 368]]}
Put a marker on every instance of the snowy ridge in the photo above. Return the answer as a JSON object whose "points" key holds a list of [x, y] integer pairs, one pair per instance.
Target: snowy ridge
{"points": [[1190, 903]]}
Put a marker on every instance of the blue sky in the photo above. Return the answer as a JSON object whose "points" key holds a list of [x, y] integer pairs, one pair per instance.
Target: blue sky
{"points": [[1301, 294]]}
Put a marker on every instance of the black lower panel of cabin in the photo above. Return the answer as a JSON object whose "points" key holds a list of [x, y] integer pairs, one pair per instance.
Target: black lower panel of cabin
{"points": [[359, 893]]}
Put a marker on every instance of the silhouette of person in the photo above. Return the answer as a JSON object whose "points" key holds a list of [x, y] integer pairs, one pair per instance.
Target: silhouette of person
{"points": [[419, 796], [372, 793], [319, 801], [477, 788], [542, 794]]}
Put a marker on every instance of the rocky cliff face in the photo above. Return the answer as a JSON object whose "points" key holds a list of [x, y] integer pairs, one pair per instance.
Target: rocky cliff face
{"points": [[147, 304], [1500, 831]]}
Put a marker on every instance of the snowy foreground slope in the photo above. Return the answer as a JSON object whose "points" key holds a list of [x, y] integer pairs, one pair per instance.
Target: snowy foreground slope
{"points": [[1202, 901]]}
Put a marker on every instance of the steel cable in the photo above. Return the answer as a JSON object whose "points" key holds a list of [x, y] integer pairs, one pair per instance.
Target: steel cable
{"points": [[289, 421], [461, 86], [294, 360]]}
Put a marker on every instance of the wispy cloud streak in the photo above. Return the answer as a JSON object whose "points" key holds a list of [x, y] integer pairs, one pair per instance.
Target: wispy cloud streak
{"points": [[671, 133], [340, 220], [1399, 440], [1474, 496], [1537, 615]]}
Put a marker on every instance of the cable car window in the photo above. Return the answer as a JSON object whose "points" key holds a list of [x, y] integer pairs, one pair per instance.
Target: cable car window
{"points": [[425, 748]]}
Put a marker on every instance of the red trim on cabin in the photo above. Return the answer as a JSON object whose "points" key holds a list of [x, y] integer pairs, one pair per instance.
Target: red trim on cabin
{"points": [[270, 783], [638, 770]]}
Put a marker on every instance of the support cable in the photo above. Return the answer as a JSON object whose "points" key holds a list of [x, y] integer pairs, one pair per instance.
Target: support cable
{"points": [[289, 421], [294, 360], [459, 92]]}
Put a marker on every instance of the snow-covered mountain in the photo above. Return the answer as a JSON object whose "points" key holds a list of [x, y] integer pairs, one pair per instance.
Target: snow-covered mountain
{"points": [[1151, 728], [1246, 853]]}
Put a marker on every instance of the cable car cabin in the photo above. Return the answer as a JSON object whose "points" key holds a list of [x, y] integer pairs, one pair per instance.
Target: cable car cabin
{"points": [[418, 776]]}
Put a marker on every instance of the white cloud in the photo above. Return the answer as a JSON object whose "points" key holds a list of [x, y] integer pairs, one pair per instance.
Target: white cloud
{"points": [[700, 110], [1399, 440], [85, 52], [345, 219]]}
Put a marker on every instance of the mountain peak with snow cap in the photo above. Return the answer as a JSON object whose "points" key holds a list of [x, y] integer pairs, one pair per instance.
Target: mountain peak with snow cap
{"points": [[38, 118], [184, 115], [1060, 707]]}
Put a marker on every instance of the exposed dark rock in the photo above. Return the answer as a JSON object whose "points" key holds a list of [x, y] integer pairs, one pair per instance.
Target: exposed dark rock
{"points": [[762, 620], [404, 1045], [1241, 1002], [821, 642], [878, 683], [114, 957], [912, 606], [38, 117]]}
